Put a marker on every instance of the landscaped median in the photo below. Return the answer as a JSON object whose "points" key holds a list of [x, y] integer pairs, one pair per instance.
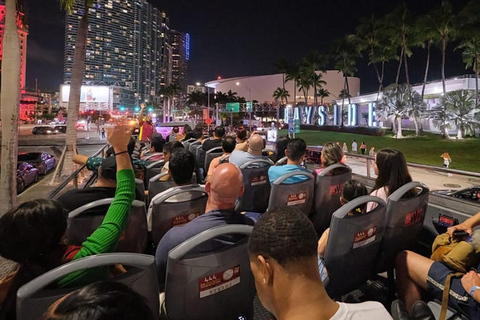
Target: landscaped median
{"points": [[426, 149]]}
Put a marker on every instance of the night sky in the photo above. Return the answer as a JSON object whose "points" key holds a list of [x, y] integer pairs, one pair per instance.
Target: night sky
{"points": [[237, 38]]}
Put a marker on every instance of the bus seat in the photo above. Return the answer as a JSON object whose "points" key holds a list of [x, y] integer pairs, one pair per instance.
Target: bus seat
{"points": [[257, 186], [209, 156], [451, 314], [297, 194], [328, 189], [353, 245], [153, 169], [155, 186], [193, 146], [187, 143], [140, 186], [81, 225], [175, 207], [282, 161], [34, 298], [215, 286]]}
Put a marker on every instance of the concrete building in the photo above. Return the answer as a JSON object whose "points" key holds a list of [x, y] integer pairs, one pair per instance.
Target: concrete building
{"points": [[127, 46], [180, 56], [261, 88]]}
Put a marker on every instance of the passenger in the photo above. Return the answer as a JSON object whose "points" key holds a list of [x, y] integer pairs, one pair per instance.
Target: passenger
{"points": [[255, 146], [33, 234], [280, 147], [104, 188], [99, 301], [295, 152], [223, 190], [173, 136], [218, 135], [168, 148], [241, 135], [331, 154], [195, 134], [182, 166], [392, 173], [352, 189], [156, 150], [416, 274], [283, 260], [228, 145]]}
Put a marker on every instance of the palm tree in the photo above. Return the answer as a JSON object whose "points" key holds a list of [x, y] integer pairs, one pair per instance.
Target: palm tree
{"points": [[232, 96], [443, 21], [425, 33], [305, 81], [346, 56], [471, 58], [293, 73], [221, 97], [396, 102], [384, 54], [316, 62], [10, 105], [196, 98], [280, 94], [281, 66], [460, 109], [75, 84], [323, 93], [416, 109]]}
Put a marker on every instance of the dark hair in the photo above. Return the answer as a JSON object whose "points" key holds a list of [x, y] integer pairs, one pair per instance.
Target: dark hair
{"points": [[354, 189], [241, 133], [332, 154], [392, 170], [30, 235], [228, 144], [219, 132], [131, 146], [296, 149], [281, 146], [101, 301], [187, 129], [182, 165], [285, 234], [157, 143], [175, 129], [169, 147]]}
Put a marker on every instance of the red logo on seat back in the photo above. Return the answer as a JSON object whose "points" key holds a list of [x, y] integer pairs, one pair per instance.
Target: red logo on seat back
{"points": [[336, 189], [218, 282], [184, 219], [297, 198], [413, 217]]}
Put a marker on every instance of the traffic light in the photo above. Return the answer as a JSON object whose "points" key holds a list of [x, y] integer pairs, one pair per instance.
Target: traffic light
{"points": [[137, 109], [150, 109], [122, 108]]}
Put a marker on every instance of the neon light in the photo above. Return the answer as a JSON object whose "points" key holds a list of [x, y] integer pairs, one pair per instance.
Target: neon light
{"points": [[335, 115], [371, 115], [296, 114], [187, 46], [322, 116], [352, 115], [309, 111]]}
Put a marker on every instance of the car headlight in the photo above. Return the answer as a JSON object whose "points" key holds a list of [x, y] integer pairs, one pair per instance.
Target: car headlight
{"points": [[49, 131]]}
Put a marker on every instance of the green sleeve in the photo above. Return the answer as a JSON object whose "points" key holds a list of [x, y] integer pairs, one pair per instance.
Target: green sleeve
{"points": [[105, 238]]}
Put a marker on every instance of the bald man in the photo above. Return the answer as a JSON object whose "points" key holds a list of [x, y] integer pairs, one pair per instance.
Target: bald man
{"points": [[223, 189], [254, 147]]}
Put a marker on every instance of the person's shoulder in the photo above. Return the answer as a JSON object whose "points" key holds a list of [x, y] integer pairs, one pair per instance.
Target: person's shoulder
{"points": [[364, 311]]}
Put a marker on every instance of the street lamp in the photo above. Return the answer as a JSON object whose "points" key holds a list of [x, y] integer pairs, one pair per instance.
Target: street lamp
{"points": [[250, 100]]}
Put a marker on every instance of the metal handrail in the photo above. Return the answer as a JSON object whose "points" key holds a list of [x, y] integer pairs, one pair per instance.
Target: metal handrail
{"points": [[423, 166], [74, 176]]}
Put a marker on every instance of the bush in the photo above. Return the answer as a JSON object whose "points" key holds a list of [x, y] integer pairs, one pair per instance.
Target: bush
{"points": [[379, 132]]}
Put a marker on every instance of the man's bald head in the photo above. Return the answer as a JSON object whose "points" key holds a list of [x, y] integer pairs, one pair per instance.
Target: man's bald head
{"points": [[225, 186], [255, 144]]}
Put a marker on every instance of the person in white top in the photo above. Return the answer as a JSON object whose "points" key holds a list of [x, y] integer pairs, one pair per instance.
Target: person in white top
{"points": [[283, 259], [391, 169], [354, 146]]}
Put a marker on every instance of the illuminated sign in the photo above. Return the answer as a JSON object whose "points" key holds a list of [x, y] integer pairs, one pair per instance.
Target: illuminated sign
{"points": [[89, 94], [322, 116], [187, 46], [371, 115], [352, 115]]}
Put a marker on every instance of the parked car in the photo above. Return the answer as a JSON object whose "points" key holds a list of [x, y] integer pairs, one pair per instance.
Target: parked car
{"points": [[43, 161], [61, 128], [81, 124], [469, 194], [26, 175], [44, 130]]}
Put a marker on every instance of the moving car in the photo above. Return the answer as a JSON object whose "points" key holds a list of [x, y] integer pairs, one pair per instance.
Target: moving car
{"points": [[26, 175], [43, 161], [61, 128], [81, 124], [44, 130], [469, 194]]}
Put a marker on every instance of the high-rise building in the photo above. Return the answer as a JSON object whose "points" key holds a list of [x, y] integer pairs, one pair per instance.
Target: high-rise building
{"points": [[127, 46], [180, 57], [22, 33]]}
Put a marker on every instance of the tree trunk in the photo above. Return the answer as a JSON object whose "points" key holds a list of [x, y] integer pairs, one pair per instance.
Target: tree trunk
{"points": [[74, 98], [375, 65], [380, 83], [10, 98], [476, 77], [295, 93], [348, 90], [427, 66], [444, 48], [407, 76], [394, 127], [399, 129], [459, 134], [399, 67], [417, 127]]}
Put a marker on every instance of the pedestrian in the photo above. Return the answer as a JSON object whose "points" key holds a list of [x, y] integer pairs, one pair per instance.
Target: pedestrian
{"points": [[354, 146], [446, 159], [345, 148], [103, 133], [98, 127], [371, 153], [370, 162], [363, 148]]}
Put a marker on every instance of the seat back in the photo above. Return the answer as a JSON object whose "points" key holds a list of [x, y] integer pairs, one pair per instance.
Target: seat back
{"points": [[155, 186], [176, 207], [192, 147], [328, 189], [257, 186], [34, 298], [210, 155], [353, 245], [81, 225], [297, 194], [147, 158], [140, 186], [404, 218], [282, 161], [153, 169], [187, 143], [217, 285]]}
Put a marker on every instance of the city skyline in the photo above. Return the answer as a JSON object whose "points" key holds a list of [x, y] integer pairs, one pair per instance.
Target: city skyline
{"points": [[237, 40]]}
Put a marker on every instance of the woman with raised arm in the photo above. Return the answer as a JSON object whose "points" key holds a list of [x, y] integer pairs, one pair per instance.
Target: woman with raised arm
{"points": [[33, 235]]}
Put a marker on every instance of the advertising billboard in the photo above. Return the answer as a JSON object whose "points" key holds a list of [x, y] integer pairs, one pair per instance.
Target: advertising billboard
{"points": [[89, 94]]}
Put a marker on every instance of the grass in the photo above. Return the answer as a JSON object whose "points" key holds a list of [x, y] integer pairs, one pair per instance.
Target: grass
{"points": [[426, 149]]}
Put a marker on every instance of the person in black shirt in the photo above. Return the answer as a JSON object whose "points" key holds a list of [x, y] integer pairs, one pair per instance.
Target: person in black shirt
{"points": [[104, 188], [218, 135]]}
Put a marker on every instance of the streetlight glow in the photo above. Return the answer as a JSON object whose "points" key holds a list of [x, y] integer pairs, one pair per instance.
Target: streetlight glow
{"points": [[238, 83], [198, 84]]}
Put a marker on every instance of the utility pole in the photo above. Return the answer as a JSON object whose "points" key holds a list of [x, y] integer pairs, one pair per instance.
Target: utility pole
{"points": [[36, 99]]}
